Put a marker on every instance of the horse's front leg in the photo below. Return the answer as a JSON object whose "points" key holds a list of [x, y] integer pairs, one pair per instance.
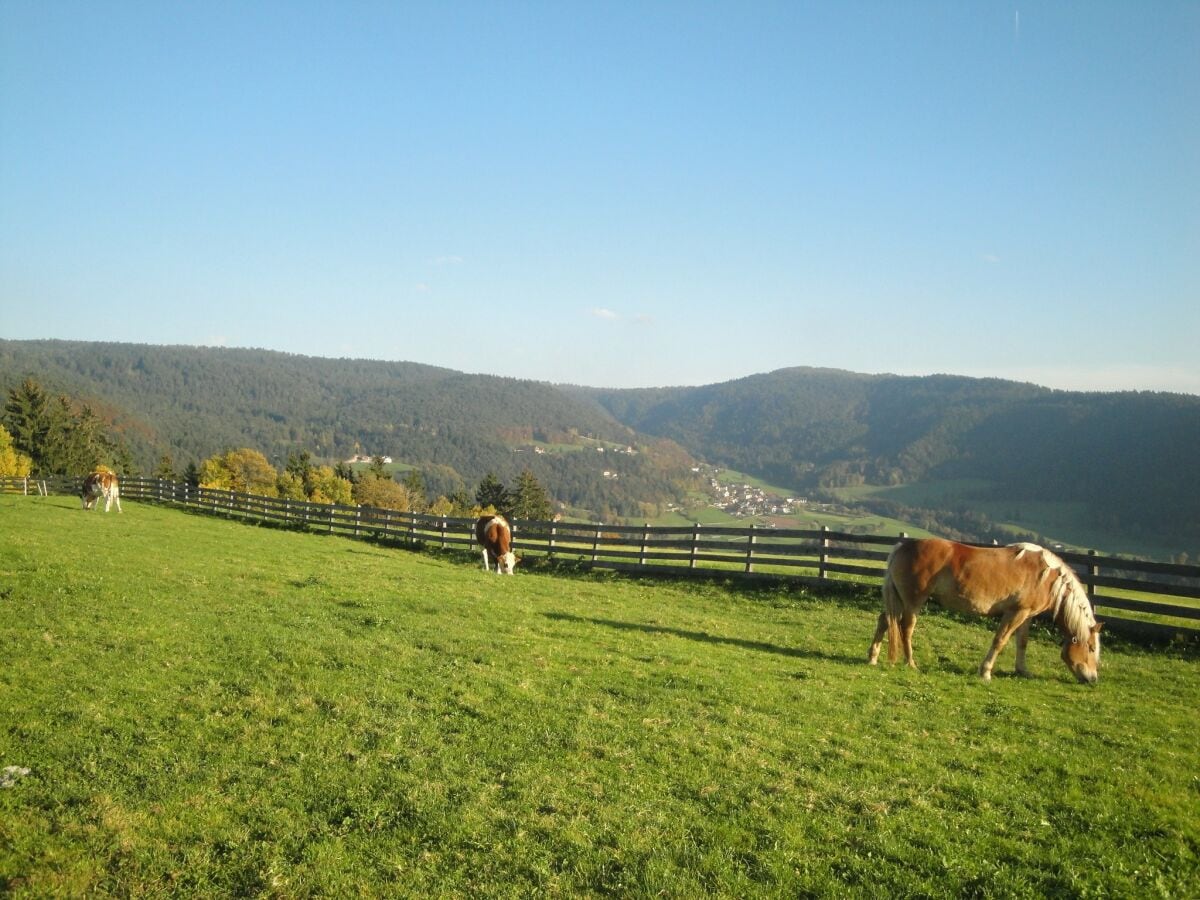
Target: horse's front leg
{"points": [[1022, 637], [1011, 622]]}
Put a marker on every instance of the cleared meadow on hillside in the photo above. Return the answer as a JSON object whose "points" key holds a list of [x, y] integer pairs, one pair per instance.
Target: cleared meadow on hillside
{"points": [[207, 707]]}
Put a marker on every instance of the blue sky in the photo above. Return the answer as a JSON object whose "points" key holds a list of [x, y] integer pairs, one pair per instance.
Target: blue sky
{"points": [[615, 194]]}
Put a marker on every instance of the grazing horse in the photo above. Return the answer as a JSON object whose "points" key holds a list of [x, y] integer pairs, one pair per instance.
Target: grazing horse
{"points": [[1013, 583], [101, 484], [495, 537]]}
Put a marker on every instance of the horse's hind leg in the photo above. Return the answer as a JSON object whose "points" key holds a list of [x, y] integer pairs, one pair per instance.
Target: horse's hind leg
{"points": [[908, 624], [880, 632]]}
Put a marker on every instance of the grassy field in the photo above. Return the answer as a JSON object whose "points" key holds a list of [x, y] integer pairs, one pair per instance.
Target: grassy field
{"points": [[1073, 524], [209, 708]]}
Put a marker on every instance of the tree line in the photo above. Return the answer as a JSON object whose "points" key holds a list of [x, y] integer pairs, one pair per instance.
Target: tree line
{"points": [[190, 403], [43, 435]]}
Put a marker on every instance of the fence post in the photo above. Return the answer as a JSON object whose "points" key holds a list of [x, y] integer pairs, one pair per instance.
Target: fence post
{"points": [[695, 546], [596, 542], [553, 532], [1092, 572], [824, 556], [444, 532], [645, 541], [750, 550]]}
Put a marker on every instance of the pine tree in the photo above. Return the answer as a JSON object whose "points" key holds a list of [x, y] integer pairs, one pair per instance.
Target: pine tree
{"points": [[530, 500], [491, 492], [166, 468], [415, 483], [27, 418], [378, 469]]}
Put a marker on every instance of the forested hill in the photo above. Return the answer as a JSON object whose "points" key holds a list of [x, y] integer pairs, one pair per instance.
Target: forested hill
{"points": [[1127, 459], [1131, 457], [192, 402]]}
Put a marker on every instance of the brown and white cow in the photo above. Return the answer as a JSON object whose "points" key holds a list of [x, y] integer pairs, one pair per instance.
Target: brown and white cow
{"points": [[495, 537], [101, 484]]}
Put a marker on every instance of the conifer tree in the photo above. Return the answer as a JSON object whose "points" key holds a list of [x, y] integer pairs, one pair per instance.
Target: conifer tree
{"points": [[27, 418], [491, 492], [530, 500]]}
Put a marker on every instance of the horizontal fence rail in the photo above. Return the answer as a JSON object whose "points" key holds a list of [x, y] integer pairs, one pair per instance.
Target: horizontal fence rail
{"points": [[1137, 588]]}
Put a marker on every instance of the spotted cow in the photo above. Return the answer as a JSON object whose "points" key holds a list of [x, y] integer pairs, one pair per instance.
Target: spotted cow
{"points": [[495, 537], [101, 484]]}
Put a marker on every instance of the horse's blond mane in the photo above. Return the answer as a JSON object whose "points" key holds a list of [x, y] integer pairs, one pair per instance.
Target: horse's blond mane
{"points": [[1071, 602]]}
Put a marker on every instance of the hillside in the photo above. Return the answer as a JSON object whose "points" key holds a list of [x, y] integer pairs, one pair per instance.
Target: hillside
{"points": [[192, 402], [1127, 458], [952, 454]]}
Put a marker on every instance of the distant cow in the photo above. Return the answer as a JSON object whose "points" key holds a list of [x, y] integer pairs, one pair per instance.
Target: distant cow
{"points": [[101, 484], [495, 537]]}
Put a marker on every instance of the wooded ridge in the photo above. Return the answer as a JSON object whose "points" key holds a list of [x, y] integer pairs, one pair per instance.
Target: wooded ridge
{"points": [[1128, 457]]}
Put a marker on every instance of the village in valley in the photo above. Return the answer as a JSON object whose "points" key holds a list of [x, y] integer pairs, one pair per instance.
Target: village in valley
{"points": [[748, 500]]}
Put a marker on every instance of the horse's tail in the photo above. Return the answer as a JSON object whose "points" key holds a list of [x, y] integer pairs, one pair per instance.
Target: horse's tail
{"points": [[893, 606]]}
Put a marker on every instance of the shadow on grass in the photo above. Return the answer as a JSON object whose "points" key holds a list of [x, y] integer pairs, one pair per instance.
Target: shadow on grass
{"points": [[706, 638]]}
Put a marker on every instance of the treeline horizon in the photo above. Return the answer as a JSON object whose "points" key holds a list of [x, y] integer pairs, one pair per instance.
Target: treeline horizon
{"points": [[1125, 459]]}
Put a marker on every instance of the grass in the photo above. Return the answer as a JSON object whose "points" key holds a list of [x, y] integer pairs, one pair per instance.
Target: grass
{"points": [[210, 708], [1071, 523]]}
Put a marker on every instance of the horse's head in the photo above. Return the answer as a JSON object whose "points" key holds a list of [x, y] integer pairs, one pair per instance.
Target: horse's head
{"points": [[507, 562], [1083, 656]]}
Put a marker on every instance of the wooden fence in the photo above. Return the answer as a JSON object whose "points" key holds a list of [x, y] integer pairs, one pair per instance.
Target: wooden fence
{"points": [[1145, 596]]}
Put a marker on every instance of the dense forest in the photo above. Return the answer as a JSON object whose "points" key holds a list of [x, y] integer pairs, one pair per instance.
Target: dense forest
{"points": [[1128, 458], [191, 402]]}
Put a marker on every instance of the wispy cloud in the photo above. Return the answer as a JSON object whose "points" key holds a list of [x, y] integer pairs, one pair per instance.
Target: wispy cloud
{"points": [[421, 287], [990, 258], [608, 315], [447, 261]]}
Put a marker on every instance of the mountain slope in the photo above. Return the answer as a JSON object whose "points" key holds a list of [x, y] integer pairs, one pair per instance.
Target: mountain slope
{"points": [[1130, 457], [192, 402]]}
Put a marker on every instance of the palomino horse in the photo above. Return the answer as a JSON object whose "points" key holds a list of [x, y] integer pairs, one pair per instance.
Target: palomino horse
{"points": [[495, 537], [1014, 583], [101, 484]]}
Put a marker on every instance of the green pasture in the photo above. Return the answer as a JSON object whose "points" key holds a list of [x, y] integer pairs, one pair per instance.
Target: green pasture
{"points": [[209, 708], [1072, 524], [865, 523]]}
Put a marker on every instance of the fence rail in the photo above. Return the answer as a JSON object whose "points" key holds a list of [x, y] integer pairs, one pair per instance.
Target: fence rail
{"points": [[1136, 588]]}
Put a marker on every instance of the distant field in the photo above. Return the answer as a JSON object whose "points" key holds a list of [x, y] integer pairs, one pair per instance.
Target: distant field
{"points": [[218, 709], [811, 515], [1068, 523]]}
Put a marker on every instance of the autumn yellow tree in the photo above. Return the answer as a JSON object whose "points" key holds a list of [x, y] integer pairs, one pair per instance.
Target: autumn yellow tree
{"points": [[326, 486], [290, 486], [244, 470], [12, 463], [382, 493]]}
